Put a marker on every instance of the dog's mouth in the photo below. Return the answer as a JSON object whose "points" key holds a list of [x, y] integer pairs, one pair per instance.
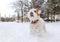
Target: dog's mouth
{"points": [[33, 22]]}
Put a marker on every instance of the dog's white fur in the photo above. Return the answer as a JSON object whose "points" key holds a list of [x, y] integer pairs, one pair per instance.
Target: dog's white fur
{"points": [[39, 27]]}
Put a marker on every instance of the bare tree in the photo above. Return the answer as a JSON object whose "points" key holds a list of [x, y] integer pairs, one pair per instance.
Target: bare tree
{"points": [[37, 3], [21, 6]]}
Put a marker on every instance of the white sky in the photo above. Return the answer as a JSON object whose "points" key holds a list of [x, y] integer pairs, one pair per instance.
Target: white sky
{"points": [[5, 8]]}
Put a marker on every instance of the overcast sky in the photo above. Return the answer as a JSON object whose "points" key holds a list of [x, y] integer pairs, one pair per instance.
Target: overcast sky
{"points": [[5, 7]]}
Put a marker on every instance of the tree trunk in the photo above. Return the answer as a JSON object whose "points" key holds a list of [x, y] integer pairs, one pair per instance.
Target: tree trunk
{"points": [[22, 15], [54, 18], [48, 15], [18, 17], [22, 10], [51, 17]]}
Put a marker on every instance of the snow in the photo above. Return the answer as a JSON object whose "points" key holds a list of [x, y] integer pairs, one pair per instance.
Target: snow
{"points": [[20, 32]]}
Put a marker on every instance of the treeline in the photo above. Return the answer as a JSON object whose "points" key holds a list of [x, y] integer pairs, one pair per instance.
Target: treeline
{"points": [[7, 19]]}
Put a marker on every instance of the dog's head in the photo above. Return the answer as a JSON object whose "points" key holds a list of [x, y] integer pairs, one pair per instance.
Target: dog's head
{"points": [[33, 14]]}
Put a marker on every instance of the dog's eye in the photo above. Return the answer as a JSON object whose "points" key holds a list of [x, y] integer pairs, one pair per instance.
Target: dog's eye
{"points": [[35, 11]]}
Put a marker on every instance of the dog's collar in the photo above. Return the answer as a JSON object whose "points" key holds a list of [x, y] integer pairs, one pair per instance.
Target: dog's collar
{"points": [[33, 22]]}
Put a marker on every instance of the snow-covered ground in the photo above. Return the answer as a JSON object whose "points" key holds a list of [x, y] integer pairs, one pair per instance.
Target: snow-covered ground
{"points": [[20, 32]]}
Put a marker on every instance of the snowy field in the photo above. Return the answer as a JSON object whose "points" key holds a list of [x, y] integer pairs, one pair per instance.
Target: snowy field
{"points": [[20, 32]]}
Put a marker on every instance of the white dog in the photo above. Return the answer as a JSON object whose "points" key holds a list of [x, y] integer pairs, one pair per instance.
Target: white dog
{"points": [[37, 24]]}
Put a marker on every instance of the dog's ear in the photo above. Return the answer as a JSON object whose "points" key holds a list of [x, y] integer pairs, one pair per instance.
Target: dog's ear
{"points": [[38, 11]]}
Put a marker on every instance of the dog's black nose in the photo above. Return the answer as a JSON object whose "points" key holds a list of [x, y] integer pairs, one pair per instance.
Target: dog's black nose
{"points": [[31, 14]]}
